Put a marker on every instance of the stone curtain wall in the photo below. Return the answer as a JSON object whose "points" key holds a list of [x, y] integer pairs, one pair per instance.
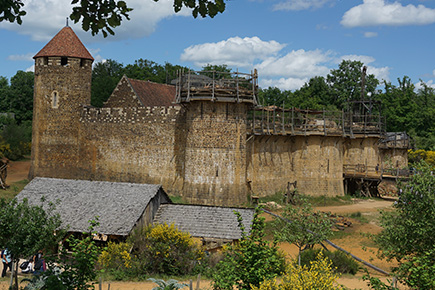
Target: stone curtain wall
{"points": [[315, 162], [59, 93], [363, 152], [131, 145], [215, 153]]}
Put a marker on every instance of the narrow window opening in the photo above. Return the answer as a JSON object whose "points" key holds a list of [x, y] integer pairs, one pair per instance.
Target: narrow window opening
{"points": [[63, 61], [82, 62], [45, 60], [54, 100]]}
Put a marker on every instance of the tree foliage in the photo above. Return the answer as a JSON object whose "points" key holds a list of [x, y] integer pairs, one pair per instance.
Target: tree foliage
{"points": [[250, 261], [104, 15], [409, 230], [302, 226], [163, 249], [25, 229], [318, 275], [346, 82]]}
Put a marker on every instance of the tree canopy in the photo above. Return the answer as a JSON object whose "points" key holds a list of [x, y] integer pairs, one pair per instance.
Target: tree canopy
{"points": [[408, 231], [104, 15]]}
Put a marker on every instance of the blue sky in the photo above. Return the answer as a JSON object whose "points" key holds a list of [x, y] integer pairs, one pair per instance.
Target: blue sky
{"points": [[287, 41]]}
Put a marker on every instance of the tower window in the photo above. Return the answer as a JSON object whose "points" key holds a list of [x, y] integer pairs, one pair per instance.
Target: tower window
{"points": [[82, 62], [54, 100], [45, 60], [63, 61]]}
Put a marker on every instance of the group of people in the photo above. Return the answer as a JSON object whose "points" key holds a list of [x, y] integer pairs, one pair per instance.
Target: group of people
{"points": [[34, 265]]}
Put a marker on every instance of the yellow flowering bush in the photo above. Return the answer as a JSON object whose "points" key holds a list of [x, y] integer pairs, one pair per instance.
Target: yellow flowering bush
{"points": [[166, 250], [116, 256], [319, 276], [419, 155]]}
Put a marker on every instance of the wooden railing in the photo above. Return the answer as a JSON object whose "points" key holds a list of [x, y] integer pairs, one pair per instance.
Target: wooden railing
{"points": [[273, 120], [365, 171], [216, 86]]}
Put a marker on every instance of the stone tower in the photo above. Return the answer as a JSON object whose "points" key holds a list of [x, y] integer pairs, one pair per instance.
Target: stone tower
{"points": [[63, 71], [216, 109]]}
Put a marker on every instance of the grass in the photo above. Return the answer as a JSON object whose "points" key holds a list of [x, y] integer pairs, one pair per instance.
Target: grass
{"points": [[314, 200], [177, 199], [13, 189], [359, 217]]}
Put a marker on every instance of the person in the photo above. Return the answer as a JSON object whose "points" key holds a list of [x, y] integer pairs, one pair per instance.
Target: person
{"points": [[7, 261], [38, 262], [29, 268]]}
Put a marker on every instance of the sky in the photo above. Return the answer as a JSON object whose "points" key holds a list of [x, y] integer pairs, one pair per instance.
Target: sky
{"points": [[287, 41]]}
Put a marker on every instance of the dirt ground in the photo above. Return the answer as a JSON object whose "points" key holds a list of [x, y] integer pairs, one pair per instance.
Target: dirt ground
{"points": [[17, 171], [354, 238]]}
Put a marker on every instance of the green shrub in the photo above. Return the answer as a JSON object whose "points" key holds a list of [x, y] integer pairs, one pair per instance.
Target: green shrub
{"points": [[341, 262], [163, 249], [250, 261]]}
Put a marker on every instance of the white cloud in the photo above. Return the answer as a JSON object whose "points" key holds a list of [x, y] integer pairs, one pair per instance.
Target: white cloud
{"points": [[276, 67], [300, 4], [31, 68], [429, 83], [46, 17], [433, 72], [381, 73], [283, 83], [21, 57], [379, 12], [235, 51], [297, 63], [370, 34]]}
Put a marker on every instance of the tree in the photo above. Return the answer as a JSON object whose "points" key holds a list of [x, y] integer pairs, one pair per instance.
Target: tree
{"points": [[250, 261], [105, 77], [315, 95], [20, 99], [103, 15], [25, 229], [345, 82], [273, 96], [302, 226], [408, 234]]}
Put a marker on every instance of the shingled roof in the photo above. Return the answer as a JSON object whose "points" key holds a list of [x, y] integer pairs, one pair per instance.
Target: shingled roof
{"points": [[205, 221], [65, 43], [118, 205], [152, 94]]}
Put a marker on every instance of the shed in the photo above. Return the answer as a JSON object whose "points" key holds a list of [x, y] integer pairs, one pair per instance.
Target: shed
{"points": [[119, 206], [215, 225]]}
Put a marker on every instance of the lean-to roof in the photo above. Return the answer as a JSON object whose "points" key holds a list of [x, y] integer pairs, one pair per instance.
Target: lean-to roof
{"points": [[205, 221]]}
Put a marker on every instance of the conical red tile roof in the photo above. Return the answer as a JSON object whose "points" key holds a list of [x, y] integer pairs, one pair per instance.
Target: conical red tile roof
{"points": [[65, 43]]}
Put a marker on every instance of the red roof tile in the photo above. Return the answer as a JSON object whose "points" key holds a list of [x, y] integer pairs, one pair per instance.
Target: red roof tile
{"points": [[153, 94], [65, 43]]}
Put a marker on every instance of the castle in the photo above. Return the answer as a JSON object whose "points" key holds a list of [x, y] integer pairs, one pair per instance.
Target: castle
{"points": [[205, 139]]}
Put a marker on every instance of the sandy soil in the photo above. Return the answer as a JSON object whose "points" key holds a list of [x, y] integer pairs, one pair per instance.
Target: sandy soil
{"points": [[355, 242], [17, 171]]}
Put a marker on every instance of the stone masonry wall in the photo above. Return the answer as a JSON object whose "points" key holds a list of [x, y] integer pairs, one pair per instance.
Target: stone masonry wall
{"points": [[315, 162], [215, 153], [131, 145], [123, 96], [363, 152]]}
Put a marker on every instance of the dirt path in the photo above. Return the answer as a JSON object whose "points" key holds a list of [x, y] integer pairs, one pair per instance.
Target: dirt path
{"points": [[17, 171]]}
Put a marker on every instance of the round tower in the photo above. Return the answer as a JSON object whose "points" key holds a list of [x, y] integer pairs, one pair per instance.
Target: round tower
{"points": [[216, 106], [63, 71]]}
